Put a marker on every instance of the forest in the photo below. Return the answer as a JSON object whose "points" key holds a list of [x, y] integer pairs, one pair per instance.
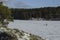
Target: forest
{"points": [[46, 13]]}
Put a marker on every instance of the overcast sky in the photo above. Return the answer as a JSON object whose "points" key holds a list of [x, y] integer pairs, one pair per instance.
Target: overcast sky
{"points": [[31, 3]]}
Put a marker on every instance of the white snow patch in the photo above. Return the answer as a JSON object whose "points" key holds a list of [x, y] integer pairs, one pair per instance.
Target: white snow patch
{"points": [[26, 36]]}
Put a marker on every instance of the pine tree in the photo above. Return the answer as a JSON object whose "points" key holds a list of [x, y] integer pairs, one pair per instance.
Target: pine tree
{"points": [[5, 15]]}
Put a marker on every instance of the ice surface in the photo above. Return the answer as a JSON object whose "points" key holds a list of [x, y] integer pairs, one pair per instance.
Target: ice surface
{"points": [[45, 29]]}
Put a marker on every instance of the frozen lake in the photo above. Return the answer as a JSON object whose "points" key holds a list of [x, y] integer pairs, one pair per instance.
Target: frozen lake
{"points": [[45, 29]]}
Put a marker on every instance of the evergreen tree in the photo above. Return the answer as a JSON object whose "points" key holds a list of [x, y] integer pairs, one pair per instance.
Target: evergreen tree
{"points": [[5, 15]]}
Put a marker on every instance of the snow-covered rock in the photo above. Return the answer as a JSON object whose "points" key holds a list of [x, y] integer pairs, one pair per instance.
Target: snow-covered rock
{"points": [[19, 34]]}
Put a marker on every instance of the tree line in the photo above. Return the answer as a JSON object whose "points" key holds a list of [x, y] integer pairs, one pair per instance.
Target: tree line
{"points": [[47, 13]]}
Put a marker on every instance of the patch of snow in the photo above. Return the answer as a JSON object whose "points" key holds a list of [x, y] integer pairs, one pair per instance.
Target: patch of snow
{"points": [[26, 36]]}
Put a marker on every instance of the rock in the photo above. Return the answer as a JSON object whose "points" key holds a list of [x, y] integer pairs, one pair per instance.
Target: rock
{"points": [[15, 34], [5, 36]]}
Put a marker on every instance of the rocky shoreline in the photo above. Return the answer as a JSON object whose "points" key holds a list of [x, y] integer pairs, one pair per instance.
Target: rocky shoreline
{"points": [[15, 34]]}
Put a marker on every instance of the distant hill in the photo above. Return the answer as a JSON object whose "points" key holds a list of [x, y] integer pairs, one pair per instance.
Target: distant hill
{"points": [[47, 13]]}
